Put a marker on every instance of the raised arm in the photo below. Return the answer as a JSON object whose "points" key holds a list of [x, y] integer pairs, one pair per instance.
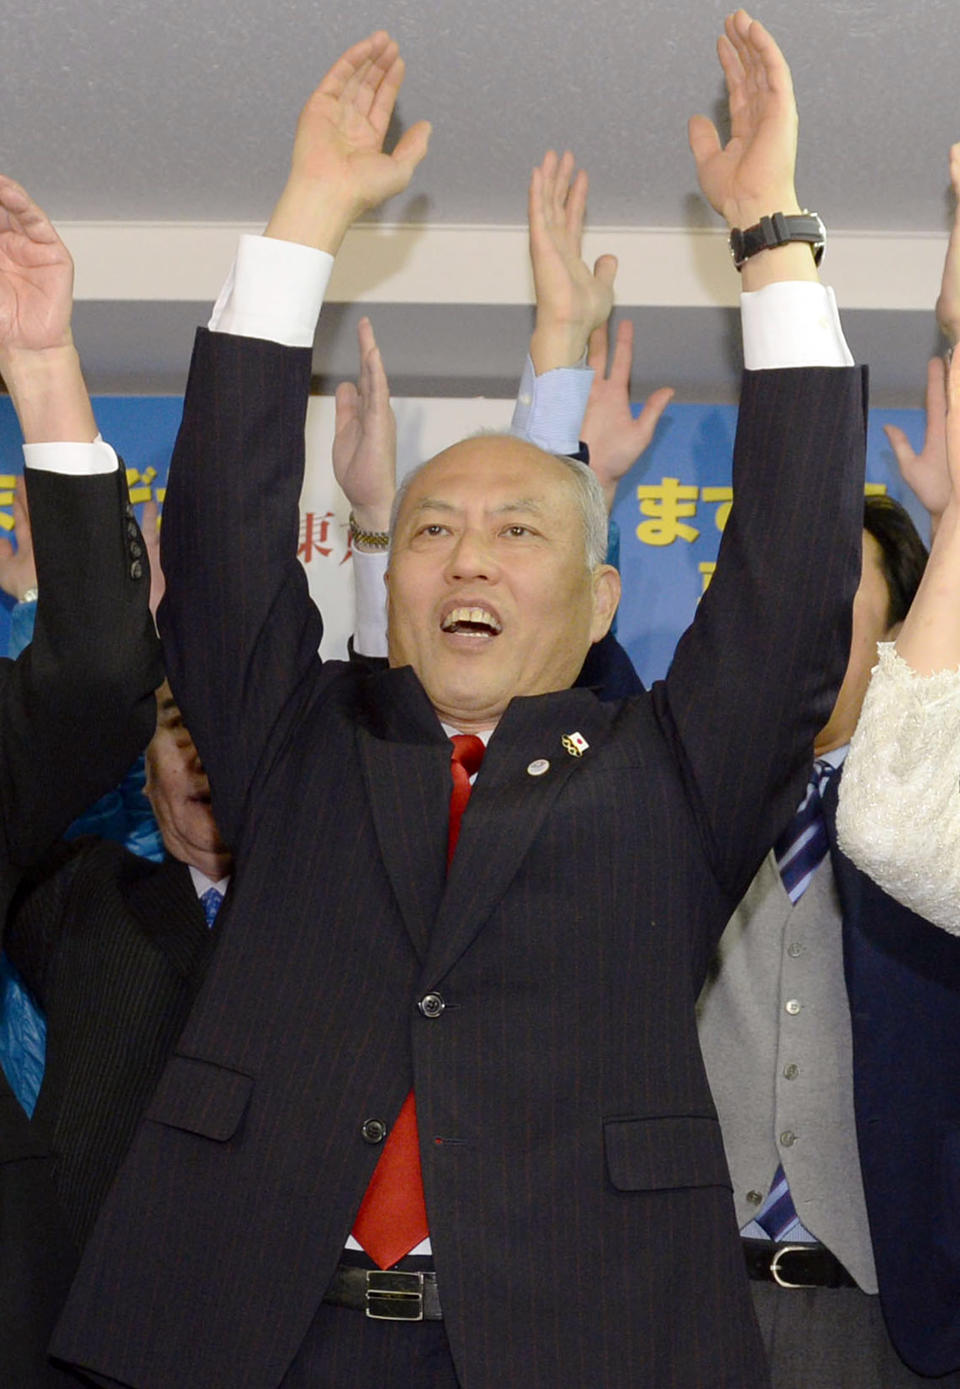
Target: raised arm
{"points": [[77, 706], [756, 676], [38, 360], [339, 167], [752, 175], [930, 637], [365, 439], [572, 299], [615, 437], [898, 818], [925, 473], [241, 636], [365, 466]]}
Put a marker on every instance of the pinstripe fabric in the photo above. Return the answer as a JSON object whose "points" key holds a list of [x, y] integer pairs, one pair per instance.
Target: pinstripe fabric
{"points": [[579, 1205], [75, 710], [114, 947]]}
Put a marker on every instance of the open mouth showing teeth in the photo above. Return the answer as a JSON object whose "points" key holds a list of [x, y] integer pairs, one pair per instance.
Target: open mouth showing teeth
{"points": [[473, 621]]}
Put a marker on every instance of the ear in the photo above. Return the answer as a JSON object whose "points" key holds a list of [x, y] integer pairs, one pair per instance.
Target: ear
{"points": [[606, 596]]}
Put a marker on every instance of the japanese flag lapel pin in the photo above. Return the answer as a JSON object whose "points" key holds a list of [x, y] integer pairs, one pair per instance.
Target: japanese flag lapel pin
{"points": [[575, 744]]}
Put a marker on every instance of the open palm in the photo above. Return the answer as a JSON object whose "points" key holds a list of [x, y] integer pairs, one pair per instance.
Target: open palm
{"points": [[340, 134], [36, 275], [756, 166]]}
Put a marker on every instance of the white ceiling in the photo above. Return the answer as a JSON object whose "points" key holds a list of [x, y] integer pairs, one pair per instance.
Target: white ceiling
{"points": [[182, 110]]}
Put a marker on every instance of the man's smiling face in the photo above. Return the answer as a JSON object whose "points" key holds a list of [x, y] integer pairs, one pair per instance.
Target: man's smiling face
{"points": [[489, 594]]}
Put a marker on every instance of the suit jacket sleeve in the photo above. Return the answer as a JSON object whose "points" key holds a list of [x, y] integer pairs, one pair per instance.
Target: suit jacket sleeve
{"points": [[77, 705], [240, 632], [756, 675]]}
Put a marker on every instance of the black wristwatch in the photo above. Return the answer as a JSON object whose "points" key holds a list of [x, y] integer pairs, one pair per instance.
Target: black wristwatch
{"points": [[778, 230]]}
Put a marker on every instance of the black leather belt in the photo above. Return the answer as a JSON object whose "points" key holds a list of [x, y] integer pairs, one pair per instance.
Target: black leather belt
{"points": [[795, 1265], [386, 1294]]}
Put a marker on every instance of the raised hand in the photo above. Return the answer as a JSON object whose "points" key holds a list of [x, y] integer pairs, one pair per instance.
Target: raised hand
{"points": [[929, 639], [18, 570], [36, 276], [615, 439], [753, 174], [925, 473], [948, 303], [365, 438], [572, 300], [339, 167]]}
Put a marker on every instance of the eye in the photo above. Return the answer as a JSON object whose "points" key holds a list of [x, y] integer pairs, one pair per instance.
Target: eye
{"points": [[517, 531], [433, 528]]}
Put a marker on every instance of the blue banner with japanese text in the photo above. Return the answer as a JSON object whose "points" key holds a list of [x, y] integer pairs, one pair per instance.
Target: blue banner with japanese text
{"points": [[670, 509]]}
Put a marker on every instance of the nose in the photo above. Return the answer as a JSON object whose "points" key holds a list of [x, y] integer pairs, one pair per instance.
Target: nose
{"points": [[471, 558]]}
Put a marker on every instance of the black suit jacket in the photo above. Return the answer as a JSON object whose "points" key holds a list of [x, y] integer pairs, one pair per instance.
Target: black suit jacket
{"points": [[114, 947], [903, 982], [75, 710], [579, 1203]]}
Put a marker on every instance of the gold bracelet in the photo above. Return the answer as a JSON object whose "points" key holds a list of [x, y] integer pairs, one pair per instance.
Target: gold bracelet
{"points": [[368, 540]]}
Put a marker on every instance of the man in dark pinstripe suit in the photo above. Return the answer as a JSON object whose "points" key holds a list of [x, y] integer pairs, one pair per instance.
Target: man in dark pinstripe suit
{"points": [[74, 709], [539, 994]]}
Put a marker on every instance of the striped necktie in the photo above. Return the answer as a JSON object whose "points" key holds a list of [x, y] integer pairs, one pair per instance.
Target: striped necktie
{"points": [[803, 845], [800, 850], [392, 1218]]}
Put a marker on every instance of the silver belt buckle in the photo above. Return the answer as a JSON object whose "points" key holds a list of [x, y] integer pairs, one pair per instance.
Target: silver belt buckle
{"points": [[778, 1278], [393, 1295]]}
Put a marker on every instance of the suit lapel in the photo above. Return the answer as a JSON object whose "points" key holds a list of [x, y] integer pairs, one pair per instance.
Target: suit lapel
{"points": [[510, 800], [405, 757]]}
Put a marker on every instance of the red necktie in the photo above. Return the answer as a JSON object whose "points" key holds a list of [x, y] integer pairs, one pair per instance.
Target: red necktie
{"points": [[392, 1218]]}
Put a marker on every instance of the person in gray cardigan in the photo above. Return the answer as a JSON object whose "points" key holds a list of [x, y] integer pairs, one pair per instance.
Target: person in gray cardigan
{"points": [[775, 1029]]}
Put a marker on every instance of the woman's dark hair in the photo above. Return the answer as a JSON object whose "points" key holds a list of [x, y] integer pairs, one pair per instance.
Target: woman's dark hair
{"points": [[903, 553]]}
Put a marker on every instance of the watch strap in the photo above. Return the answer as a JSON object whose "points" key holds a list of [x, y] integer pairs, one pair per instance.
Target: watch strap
{"points": [[781, 229]]}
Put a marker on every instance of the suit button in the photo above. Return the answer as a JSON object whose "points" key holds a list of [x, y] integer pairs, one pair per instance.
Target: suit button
{"points": [[431, 1005], [373, 1131], [132, 530], [136, 550], [136, 570]]}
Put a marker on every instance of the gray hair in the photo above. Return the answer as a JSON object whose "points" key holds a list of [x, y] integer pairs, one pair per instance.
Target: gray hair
{"points": [[587, 489]]}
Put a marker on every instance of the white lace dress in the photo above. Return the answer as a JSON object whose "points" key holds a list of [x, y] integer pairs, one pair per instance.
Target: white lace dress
{"points": [[899, 811]]}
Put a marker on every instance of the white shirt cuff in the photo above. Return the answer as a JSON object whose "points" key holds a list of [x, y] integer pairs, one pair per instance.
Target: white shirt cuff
{"points": [[793, 323], [370, 599], [550, 408], [76, 460], [274, 291]]}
